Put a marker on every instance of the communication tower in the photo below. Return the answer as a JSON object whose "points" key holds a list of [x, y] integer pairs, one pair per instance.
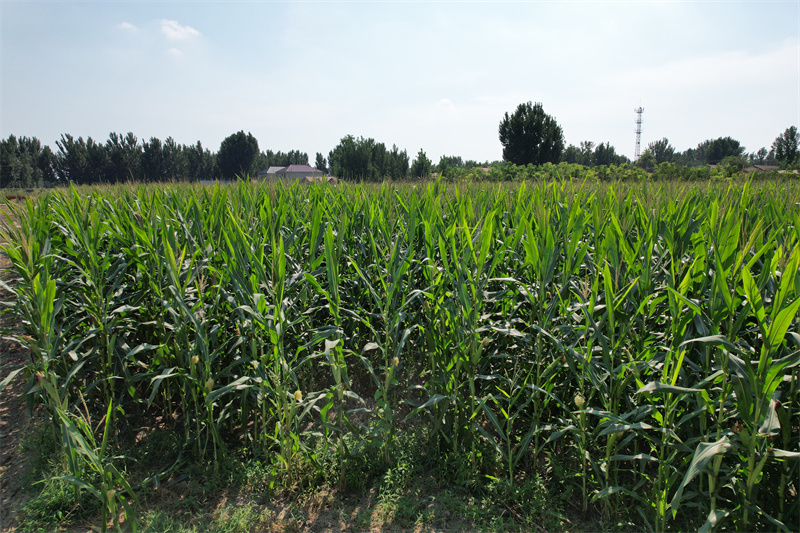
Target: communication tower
{"points": [[639, 110]]}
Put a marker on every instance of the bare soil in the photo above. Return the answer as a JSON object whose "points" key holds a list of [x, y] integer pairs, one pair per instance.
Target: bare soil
{"points": [[14, 418]]}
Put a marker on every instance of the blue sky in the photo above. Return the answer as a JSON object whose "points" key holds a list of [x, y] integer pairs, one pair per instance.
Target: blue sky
{"points": [[436, 76]]}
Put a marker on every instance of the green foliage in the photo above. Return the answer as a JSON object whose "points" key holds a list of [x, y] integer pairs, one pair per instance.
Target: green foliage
{"points": [[359, 159], [236, 155], [25, 163], [530, 136], [762, 157], [448, 163], [527, 498], [268, 158], [606, 155], [422, 166], [647, 161], [79, 161], [590, 155], [718, 149], [124, 159], [54, 504], [320, 163], [733, 164], [662, 151], [641, 336], [785, 147]]}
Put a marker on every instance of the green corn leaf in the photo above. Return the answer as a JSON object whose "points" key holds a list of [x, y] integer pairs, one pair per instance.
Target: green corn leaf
{"points": [[657, 387], [714, 519], [787, 280], [436, 399], [9, 377], [780, 525], [241, 383], [486, 239], [522, 446], [106, 428], [781, 324], [492, 418], [714, 340], [704, 452], [754, 297], [609, 294], [776, 371], [499, 449], [608, 491], [771, 424], [784, 454], [144, 347], [637, 457], [353, 396], [555, 435], [83, 485], [620, 428], [689, 303]]}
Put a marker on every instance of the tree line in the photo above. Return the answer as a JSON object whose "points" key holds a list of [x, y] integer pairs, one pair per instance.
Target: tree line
{"points": [[26, 163], [529, 136]]}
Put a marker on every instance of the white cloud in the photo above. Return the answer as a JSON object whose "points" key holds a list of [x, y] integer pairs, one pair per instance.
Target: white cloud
{"points": [[128, 27], [446, 103], [175, 32], [174, 52], [718, 71]]}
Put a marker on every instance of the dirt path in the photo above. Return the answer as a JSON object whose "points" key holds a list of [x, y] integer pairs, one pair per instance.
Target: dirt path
{"points": [[14, 419]]}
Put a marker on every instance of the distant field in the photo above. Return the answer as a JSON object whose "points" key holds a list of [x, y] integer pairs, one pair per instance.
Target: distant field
{"points": [[567, 354]]}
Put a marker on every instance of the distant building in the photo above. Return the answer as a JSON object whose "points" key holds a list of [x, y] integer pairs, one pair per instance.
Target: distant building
{"points": [[761, 168], [320, 179], [270, 173], [292, 172]]}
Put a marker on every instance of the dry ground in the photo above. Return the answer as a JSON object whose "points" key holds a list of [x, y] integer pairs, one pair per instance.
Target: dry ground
{"points": [[14, 418]]}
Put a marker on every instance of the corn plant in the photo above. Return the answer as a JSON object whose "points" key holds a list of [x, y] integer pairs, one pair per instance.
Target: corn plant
{"points": [[643, 337]]}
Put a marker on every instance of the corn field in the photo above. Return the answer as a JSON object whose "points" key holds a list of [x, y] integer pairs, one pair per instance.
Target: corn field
{"points": [[646, 339]]}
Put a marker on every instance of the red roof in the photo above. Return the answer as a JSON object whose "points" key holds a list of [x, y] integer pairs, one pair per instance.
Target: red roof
{"points": [[300, 168]]}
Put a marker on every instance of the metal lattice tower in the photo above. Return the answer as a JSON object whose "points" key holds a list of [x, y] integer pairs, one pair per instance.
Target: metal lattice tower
{"points": [[639, 110]]}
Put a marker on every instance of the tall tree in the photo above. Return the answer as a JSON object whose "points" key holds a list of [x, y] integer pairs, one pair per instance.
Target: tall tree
{"points": [[71, 160], [98, 162], [154, 168], [354, 159], [398, 163], [125, 157], [421, 167], [587, 151], [662, 151], [237, 154], [448, 163], [786, 146], [531, 136], [296, 157], [715, 150], [759, 157], [320, 163], [175, 164], [710, 152], [24, 162], [646, 161], [200, 163], [380, 162], [572, 154], [605, 154]]}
